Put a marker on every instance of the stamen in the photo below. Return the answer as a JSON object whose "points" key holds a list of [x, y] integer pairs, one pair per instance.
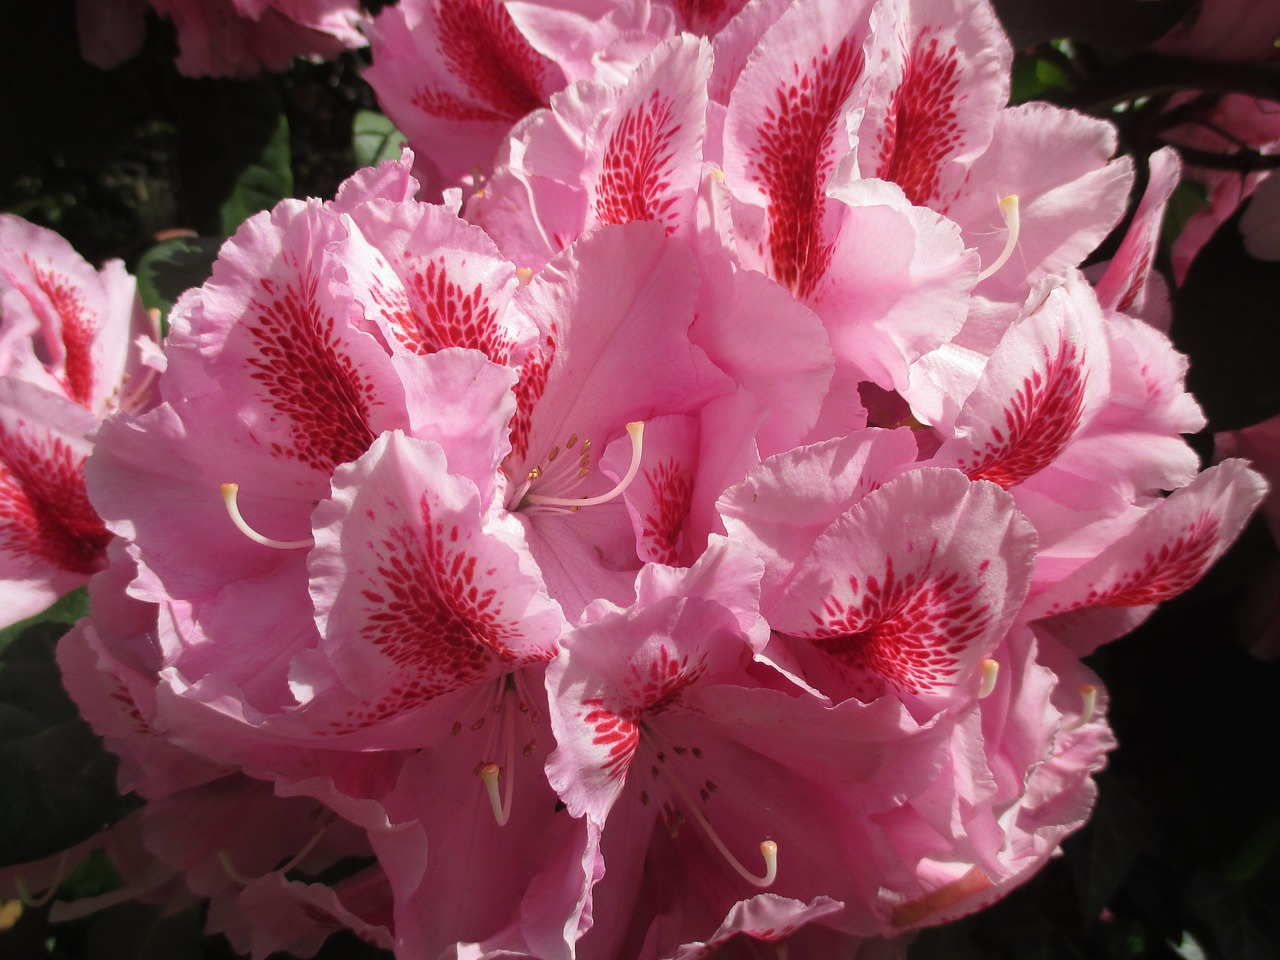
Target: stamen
{"points": [[636, 431], [768, 848], [35, 902], [1009, 213], [524, 275], [230, 496], [1089, 693], [489, 773], [990, 671], [307, 847], [224, 858]]}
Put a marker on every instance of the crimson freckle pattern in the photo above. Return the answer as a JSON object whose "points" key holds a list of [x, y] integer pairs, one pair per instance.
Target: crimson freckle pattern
{"points": [[308, 380], [44, 509], [796, 154], [672, 490], [1137, 279], [1040, 420], [706, 17], [529, 390], [618, 735], [637, 166], [482, 48], [433, 614], [77, 329], [909, 631], [448, 316], [1166, 572], [920, 128]]}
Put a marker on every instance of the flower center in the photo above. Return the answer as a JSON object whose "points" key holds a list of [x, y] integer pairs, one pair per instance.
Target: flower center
{"points": [[549, 487], [1012, 222], [674, 813], [496, 767]]}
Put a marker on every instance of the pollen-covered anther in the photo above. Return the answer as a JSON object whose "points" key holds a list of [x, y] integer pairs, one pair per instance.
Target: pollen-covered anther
{"points": [[524, 275], [635, 430], [1012, 222], [230, 496], [1089, 696], [990, 673]]}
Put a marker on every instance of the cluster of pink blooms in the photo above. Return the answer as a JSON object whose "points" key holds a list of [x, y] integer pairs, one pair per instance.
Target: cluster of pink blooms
{"points": [[685, 539], [223, 38]]}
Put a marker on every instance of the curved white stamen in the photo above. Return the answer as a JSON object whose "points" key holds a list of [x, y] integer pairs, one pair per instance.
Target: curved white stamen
{"points": [[768, 848], [1009, 213], [230, 496], [1089, 694], [501, 804], [224, 858], [36, 902], [990, 672], [636, 430]]}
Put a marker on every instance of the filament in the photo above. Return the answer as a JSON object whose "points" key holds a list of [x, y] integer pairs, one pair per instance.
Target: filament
{"points": [[36, 902], [490, 772], [768, 848], [1012, 221], [230, 496], [1089, 694], [636, 431]]}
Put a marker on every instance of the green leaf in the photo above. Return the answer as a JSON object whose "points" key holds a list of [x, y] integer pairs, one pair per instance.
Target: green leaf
{"points": [[59, 782], [64, 612], [1240, 922], [375, 138], [172, 267], [234, 151], [261, 184]]}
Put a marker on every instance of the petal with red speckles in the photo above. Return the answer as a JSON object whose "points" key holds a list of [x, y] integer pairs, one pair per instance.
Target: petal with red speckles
{"points": [[910, 589], [51, 538], [1165, 553], [785, 132], [417, 592]]}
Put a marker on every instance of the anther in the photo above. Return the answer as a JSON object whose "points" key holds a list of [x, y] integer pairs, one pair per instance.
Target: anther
{"points": [[230, 496], [1089, 694], [636, 431], [1012, 222], [524, 275], [990, 671]]}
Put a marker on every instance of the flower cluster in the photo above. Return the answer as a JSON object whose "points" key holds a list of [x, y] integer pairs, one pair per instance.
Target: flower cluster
{"points": [[223, 38], [685, 538]]}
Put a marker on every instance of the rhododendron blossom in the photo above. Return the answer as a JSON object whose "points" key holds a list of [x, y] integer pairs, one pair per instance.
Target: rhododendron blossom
{"points": [[684, 541], [74, 346]]}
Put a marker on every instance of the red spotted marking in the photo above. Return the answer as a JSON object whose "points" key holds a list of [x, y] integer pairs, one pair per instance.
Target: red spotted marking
{"points": [[447, 315], [638, 166], [921, 129], [432, 614], [796, 153], [706, 17], [1137, 280], [1167, 572], [909, 631], [77, 329], [482, 48], [529, 390], [618, 735], [45, 512], [672, 492], [1039, 422], [326, 399]]}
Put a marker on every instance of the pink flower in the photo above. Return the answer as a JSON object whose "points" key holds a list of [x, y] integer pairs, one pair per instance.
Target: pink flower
{"points": [[74, 344], [223, 38]]}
